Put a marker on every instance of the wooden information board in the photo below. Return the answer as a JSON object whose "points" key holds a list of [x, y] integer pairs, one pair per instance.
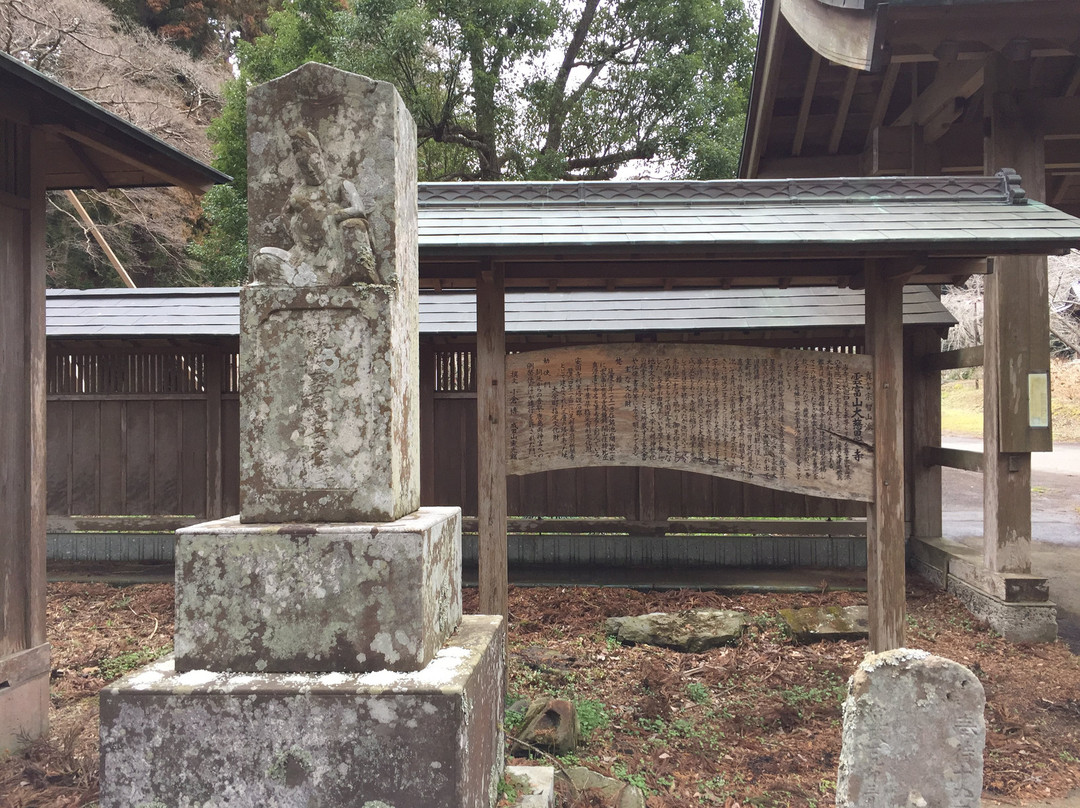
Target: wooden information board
{"points": [[798, 421]]}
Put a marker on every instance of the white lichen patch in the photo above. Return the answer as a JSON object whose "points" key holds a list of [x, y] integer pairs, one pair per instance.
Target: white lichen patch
{"points": [[196, 678], [444, 668], [895, 657], [382, 710]]}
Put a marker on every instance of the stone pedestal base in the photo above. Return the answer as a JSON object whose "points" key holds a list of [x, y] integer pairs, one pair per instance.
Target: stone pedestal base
{"points": [[317, 597], [1017, 606], [408, 740]]}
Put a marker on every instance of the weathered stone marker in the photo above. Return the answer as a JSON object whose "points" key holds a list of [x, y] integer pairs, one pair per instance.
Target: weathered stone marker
{"points": [[321, 655], [329, 318], [913, 734]]}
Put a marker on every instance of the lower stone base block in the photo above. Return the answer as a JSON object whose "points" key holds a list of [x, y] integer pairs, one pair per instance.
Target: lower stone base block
{"points": [[1016, 606], [1016, 622], [301, 740]]}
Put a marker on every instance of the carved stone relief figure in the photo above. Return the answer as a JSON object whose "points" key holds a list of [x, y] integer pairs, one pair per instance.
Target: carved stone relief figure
{"points": [[326, 219]]}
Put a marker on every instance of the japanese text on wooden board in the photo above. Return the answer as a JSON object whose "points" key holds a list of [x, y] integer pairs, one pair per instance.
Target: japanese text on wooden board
{"points": [[789, 419]]}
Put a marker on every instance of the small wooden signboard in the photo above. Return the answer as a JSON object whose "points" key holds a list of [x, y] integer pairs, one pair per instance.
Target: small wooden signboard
{"points": [[794, 420]]}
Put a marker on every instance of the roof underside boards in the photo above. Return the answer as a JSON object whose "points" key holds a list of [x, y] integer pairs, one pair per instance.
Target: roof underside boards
{"points": [[924, 109], [729, 220], [155, 313], [89, 147]]}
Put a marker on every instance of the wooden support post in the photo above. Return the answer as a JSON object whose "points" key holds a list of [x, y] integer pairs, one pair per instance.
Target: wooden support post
{"points": [[215, 508], [427, 423], [885, 514], [491, 438], [924, 385], [24, 652], [1016, 334]]}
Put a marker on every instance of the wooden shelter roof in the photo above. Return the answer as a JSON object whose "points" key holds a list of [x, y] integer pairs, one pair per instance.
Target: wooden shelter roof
{"points": [[737, 232], [88, 146], [188, 312], [875, 76]]}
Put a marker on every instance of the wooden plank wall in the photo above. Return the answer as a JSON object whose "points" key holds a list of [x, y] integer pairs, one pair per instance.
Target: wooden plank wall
{"points": [[143, 451], [134, 433]]}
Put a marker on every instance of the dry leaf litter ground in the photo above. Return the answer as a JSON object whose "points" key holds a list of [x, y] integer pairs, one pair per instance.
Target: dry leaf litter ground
{"points": [[755, 724]]}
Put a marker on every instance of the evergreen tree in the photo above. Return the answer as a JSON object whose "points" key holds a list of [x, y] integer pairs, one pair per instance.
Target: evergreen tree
{"points": [[513, 89]]}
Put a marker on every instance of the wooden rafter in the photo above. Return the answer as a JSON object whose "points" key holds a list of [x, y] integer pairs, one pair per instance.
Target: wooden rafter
{"points": [[881, 106], [101, 183], [842, 113], [807, 102], [953, 80], [102, 143]]}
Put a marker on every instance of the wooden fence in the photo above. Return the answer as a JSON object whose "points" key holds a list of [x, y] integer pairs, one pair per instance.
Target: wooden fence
{"points": [[146, 434]]}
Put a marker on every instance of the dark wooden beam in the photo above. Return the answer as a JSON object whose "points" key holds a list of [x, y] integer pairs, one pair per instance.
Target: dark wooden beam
{"points": [[953, 80], [963, 459], [491, 438], [954, 360], [885, 514]]}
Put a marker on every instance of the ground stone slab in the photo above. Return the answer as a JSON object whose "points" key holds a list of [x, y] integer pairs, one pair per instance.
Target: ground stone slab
{"points": [[913, 734], [406, 740], [827, 623], [694, 631], [537, 784], [613, 792], [317, 597]]}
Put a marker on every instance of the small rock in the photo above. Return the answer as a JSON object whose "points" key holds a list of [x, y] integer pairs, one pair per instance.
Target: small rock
{"points": [[550, 725], [827, 623], [521, 706], [538, 657], [694, 631], [613, 792]]}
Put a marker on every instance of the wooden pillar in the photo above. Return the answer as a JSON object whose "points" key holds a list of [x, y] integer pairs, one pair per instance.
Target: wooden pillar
{"points": [[1016, 333], [24, 653], [924, 392], [491, 438], [215, 508], [885, 582], [427, 422]]}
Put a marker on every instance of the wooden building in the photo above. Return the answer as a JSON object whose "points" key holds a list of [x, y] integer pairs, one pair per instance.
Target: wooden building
{"points": [[921, 87], [877, 234], [874, 233], [50, 139], [141, 380]]}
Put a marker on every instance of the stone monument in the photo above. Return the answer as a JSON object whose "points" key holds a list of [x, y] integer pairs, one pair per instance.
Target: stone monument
{"points": [[321, 657], [913, 734]]}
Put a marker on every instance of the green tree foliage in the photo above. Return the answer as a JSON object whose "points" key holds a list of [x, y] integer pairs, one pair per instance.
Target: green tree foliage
{"points": [[515, 89]]}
